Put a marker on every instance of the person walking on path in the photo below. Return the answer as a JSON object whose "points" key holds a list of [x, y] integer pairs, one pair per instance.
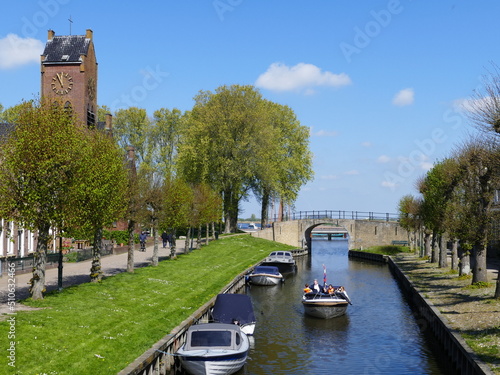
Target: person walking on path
{"points": [[164, 237], [142, 239]]}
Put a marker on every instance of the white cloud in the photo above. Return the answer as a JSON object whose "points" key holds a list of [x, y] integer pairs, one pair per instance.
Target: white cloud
{"points": [[280, 77], [16, 51], [389, 184], [352, 172], [366, 144], [325, 133], [404, 97], [329, 177], [383, 159]]}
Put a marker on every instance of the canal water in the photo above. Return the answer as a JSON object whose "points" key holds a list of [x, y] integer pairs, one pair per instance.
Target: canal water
{"points": [[378, 335]]}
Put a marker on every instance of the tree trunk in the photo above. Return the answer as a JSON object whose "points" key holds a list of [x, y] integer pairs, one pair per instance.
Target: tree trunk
{"points": [[39, 260], [186, 243], [464, 261], [198, 238], [497, 289], [454, 255], [131, 246], [173, 244], [443, 252], [435, 248], [264, 218], [95, 269], [479, 271], [427, 241], [207, 241], [213, 230], [154, 260]]}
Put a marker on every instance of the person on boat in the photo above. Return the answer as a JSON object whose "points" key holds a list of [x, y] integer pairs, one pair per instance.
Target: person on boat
{"points": [[316, 287], [307, 289], [331, 289]]}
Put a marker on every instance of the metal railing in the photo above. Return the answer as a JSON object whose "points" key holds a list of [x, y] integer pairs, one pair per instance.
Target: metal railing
{"points": [[332, 214]]}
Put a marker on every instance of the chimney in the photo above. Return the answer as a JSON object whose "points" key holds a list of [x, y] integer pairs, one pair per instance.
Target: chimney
{"points": [[109, 124], [89, 34], [51, 34]]}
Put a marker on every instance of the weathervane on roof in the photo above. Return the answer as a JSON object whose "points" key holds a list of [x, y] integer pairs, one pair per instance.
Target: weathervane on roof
{"points": [[70, 22]]}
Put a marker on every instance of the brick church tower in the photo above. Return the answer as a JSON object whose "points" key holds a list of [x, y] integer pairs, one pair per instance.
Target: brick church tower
{"points": [[69, 74]]}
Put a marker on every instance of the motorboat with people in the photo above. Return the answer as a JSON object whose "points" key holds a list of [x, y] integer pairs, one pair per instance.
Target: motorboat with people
{"points": [[214, 348], [234, 309], [265, 275], [326, 305], [282, 259], [325, 301]]}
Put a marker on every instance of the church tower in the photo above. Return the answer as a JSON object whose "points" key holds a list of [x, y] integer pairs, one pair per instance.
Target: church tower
{"points": [[69, 74]]}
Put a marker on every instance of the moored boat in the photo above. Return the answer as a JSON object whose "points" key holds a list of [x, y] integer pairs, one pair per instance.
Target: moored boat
{"points": [[214, 348], [235, 309], [282, 259], [265, 275], [326, 305]]}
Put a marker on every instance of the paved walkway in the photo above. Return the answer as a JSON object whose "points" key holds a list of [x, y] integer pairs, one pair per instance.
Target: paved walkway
{"points": [[78, 273]]}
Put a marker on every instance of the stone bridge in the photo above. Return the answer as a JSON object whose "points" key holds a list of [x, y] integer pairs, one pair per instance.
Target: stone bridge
{"points": [[363, 233]]}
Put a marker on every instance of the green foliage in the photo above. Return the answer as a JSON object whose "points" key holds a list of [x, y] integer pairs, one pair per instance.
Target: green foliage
{"points": [[478, 285], [387, 249], [101, 328], [119, 236]]}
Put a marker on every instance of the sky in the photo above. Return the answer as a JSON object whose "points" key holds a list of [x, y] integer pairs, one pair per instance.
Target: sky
{"points": [[380, 84]]}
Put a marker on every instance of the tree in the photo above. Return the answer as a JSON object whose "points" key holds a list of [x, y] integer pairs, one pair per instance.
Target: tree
{"points": [[479, 159], [39, 169], [221, 144], [409, 215], [285, 161], [165, 134], [178, 196], [131, 127], [101, 197]]}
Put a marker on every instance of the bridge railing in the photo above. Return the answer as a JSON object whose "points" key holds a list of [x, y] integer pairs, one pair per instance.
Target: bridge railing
{"points": [[332, 214]]}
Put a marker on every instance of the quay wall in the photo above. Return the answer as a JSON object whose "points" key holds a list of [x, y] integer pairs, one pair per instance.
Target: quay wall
{"points": [[464, 360]]}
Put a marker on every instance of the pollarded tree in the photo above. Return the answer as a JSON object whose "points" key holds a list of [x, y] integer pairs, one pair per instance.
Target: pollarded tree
{"points": [[480, 161], [39, 168], [409, 215], [222, 143], [101, 196]]}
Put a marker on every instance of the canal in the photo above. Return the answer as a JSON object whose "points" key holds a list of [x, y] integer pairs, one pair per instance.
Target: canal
{"points": [[378, 335]]}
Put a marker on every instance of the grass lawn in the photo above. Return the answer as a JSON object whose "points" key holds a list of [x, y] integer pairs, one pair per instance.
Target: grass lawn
{"points": [[387, 250], [101, 328]]}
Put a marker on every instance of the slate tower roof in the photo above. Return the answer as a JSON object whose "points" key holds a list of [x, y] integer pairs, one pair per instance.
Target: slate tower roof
{"points": [[66, 49]]}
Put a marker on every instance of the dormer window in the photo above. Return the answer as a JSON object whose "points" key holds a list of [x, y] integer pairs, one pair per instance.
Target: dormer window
{"points": [[65, 58]]}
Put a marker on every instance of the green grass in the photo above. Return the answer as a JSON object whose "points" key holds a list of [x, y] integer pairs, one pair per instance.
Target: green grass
{"points": [[101, 328], [387, 250]]}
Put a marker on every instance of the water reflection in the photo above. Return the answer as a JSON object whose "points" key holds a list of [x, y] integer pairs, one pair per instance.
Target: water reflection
{"points": [[378, 334]]}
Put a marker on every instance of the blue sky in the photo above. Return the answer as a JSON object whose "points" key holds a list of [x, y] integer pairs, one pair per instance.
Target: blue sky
{"points": [[379, 83]]}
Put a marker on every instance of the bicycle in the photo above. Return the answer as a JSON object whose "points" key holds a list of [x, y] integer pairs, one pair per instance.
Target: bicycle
{"points": [[143, 245]]}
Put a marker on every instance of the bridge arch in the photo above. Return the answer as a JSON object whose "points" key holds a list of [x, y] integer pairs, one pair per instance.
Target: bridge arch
{"points": [[362, 233]]}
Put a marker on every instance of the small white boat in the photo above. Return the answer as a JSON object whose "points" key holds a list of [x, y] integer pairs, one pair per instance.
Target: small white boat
{"points": [[214, 348], [282, 259], [235, 309], [265, 275], [326, 305]]}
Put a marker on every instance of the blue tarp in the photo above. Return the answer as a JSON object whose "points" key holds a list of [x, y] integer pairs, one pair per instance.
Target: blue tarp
{"points": [[231, 307]]}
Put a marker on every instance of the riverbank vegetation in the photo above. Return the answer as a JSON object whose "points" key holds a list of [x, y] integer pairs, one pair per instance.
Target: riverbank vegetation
{"points": [[99, 328], [387, 249]]}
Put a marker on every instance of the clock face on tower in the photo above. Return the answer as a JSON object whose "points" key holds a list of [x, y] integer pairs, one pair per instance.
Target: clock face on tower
{"points": [[62, 83]]}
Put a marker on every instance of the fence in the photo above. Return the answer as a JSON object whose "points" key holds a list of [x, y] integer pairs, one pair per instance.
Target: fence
{"points": [[331, 214]]}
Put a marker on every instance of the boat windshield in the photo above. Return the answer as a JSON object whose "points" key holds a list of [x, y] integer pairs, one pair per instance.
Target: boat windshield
{"points": [[211, 338]]}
